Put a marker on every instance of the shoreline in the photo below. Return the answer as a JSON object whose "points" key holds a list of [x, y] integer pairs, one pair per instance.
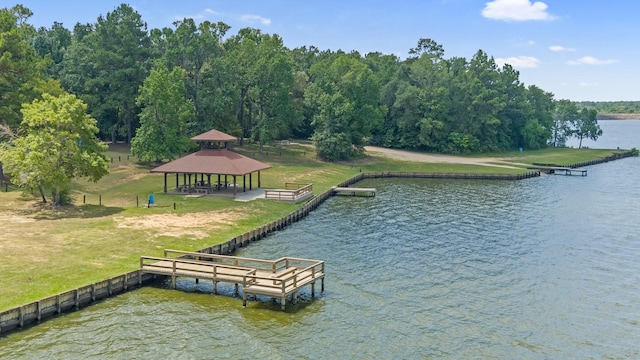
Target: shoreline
{"points": [[33, 313], [630, 116]]}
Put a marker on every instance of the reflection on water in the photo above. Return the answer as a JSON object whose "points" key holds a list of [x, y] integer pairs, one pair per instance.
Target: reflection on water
{"points": [[541, 268]]}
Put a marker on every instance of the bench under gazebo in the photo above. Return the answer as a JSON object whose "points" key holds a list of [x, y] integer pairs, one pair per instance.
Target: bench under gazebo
{"points": [[212, 169]]}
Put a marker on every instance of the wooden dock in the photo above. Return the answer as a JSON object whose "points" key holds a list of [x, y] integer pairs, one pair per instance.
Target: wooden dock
{"points": [[353, 191], [274, 278], [565, 171]]}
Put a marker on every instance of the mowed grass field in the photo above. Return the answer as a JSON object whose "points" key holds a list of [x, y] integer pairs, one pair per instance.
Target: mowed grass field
{"points": [[44, 251]]}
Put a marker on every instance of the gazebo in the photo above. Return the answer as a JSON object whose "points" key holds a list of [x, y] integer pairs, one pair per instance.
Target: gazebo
{"points": [[213, 159]]}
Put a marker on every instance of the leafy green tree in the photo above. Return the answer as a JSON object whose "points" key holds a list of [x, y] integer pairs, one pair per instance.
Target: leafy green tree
{"points": [[241, 55], [586, 126], [192, 47], [20, 66], [488, 100], [165, 113], [565, 114], [276, 114], [59, 144], [421, 101], [106, 64], [262, 70], [516, 111], [427, 47], [537, 130], [52, 44], [346, 94]]}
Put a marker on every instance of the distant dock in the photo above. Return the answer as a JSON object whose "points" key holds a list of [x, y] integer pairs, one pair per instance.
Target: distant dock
{"points": [[566, 171], [352, 191]]}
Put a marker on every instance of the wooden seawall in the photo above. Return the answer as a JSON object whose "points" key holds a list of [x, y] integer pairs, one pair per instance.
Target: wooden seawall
{"points": [[71, 300], [616, 156]]}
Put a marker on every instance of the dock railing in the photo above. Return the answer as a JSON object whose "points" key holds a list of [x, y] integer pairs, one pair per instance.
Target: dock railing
{"points": [[291, 192], [175, 267], [270, 266], [275, 278]]}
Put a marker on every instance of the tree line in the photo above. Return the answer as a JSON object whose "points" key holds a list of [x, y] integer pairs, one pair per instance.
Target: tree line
{"points": [[155, 88], [612, 107]]}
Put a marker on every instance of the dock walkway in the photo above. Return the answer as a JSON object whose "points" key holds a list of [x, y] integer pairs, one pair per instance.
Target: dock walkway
{"points": [[353, 191], [274, 278], [566, 171]]}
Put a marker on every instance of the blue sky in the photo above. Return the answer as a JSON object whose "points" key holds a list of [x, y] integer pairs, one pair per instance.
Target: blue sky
{"points": [[576, 49]]}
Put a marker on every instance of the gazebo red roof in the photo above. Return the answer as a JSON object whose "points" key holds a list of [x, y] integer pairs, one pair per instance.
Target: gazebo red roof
{"points": [[222, 161], [213, 135]]}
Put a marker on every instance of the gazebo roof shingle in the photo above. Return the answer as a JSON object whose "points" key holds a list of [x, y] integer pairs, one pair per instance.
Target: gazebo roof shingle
{"points": [[213, 135], [222, 161]]}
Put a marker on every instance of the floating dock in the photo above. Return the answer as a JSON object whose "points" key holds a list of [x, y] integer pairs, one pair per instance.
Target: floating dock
{"points": [[352, 191], [274, 278]]}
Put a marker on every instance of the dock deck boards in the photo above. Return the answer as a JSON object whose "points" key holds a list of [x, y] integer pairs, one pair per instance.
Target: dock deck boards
{"points": [[354, 191], [278, 278], [567, 171]]}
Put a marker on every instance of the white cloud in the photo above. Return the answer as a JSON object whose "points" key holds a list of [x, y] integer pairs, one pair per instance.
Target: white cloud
{"points": [[559, 48], [590, 60], [516, 10], [519, 62], [586, 84], [211, 11], [255, 18]]}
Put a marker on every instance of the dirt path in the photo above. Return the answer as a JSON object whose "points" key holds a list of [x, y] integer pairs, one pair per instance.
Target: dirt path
{"points": [[435, 158]]}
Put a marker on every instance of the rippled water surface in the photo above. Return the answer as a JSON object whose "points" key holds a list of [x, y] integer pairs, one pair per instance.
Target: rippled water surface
{"points": [[541, 268]]}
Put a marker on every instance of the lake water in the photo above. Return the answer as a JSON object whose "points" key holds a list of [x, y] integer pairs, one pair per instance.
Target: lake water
{"points": [[534, 269], [623, 134]]}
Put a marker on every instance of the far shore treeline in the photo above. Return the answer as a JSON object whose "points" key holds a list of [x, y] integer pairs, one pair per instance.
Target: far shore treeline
{"points": [[155, 88]]}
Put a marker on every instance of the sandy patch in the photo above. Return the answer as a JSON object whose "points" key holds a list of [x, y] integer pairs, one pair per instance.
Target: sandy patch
{"points": [[136, 176], [15, 219], [197, 225], [308, 174], [433, 158]]}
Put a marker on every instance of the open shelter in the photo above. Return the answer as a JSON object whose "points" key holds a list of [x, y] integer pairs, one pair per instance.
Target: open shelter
{"points": [[209, 170]]}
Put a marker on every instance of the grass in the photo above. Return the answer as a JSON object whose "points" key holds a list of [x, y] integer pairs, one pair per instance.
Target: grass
{"points": [[558, 156], [45, 251]]}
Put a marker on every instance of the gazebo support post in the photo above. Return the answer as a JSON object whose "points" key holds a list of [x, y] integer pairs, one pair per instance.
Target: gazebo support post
{"points": [[218, 182], [177, 186], [250, 182], [234, 185], [244, 183], [165, 183], [259, 185]]}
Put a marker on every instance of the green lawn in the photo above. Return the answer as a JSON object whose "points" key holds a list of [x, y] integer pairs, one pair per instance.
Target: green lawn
{"points": [[46, 251]]}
